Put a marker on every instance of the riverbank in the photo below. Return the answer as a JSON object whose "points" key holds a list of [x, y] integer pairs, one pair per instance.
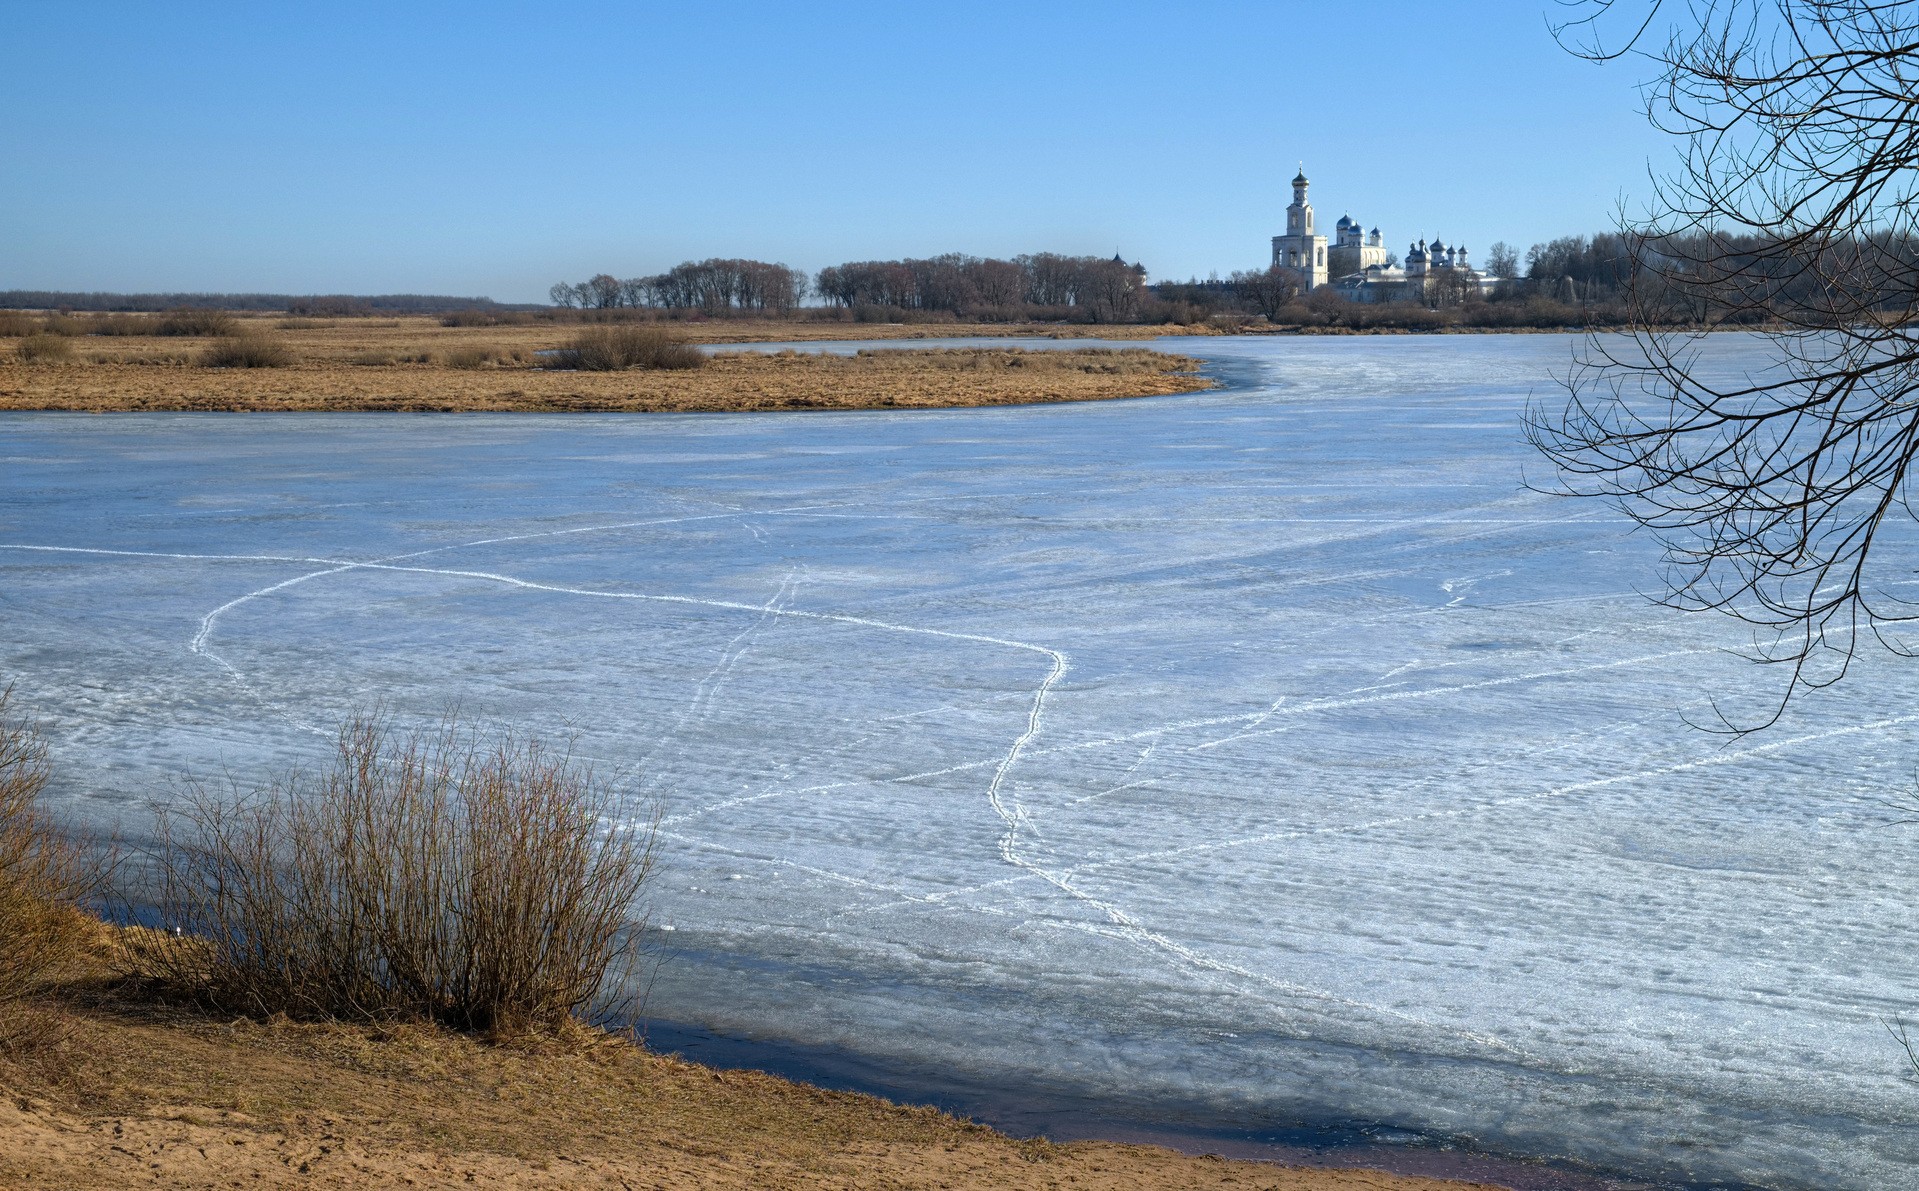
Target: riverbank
{"points": [[130, 378], [107, 1086]]}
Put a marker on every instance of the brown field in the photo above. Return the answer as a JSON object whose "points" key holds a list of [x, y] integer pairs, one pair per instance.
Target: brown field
{"points": [[418, 365]]}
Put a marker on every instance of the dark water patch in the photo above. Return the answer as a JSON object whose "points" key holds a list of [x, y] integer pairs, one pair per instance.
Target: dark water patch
{"points": [[1062, 1116]]}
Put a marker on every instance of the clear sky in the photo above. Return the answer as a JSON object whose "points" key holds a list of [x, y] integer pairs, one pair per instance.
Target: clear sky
{"points": [[491, 149]]}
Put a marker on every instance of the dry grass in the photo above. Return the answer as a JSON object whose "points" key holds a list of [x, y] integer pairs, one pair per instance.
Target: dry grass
{"points": [[436, 876], [17, 324]]}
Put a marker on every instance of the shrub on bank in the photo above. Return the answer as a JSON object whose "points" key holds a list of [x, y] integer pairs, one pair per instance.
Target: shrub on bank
{"points": [[246, 351], [482, 885], [44, 875], [612, 348], [42, 348]]}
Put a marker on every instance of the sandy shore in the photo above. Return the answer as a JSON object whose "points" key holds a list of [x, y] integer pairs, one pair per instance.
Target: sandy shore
{"points": [[108, 1090]]}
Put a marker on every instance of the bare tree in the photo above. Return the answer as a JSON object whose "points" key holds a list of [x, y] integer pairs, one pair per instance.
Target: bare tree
{"points": [[1268, 290], [602, 291], [1502, 260], [1791, 207]]}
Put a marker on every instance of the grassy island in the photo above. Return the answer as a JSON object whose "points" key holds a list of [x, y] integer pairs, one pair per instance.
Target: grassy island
{"points": [[130, 363]]}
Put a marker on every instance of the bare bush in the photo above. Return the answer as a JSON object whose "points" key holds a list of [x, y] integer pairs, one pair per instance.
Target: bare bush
{"points": [[17, 324], [486, 318], [249, 350], [194, 321], [42, 348], [612, 348], [486, 886], [44, 874]]}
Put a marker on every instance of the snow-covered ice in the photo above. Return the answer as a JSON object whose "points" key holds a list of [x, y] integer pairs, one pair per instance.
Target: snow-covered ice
{"points": [[1271, 753]]}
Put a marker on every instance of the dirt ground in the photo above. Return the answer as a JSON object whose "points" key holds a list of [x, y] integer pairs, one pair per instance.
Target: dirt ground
{"points": [[417, 365]]}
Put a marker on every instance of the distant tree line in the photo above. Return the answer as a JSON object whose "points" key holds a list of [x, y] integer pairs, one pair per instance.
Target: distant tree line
{"points": [[308, 304], [1038, 285], [712, 287], [1097, 288]]}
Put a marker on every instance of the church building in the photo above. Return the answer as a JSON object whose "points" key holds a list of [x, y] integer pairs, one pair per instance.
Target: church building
{"points": [[1359, 266]]}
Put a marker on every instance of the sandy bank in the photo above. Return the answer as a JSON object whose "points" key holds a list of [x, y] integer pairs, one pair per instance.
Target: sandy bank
{"points": [[108, 1087]]}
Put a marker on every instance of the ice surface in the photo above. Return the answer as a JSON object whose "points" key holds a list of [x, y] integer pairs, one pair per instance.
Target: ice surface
{"points": [[1271, 753]]}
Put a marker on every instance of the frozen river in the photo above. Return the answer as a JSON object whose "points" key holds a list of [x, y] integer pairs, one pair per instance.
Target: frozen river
{"points": [[1264, 756]]}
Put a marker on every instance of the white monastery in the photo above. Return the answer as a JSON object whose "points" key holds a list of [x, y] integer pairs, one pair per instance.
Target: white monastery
{"points": [[1356, 262]]}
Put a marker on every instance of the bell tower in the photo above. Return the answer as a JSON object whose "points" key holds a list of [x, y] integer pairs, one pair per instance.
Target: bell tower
{"points": [[1299, 216], [1301, 248]]}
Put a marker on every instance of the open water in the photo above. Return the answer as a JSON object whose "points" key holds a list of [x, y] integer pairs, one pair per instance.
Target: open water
{"points": [[1256, 760]]}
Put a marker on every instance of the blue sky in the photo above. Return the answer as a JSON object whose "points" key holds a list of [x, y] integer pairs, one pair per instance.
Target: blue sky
{"points": [[492, 148]]}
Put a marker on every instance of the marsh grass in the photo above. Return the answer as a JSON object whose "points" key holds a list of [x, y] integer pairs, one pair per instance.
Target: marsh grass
{"points": [[615, 348], [17, 324], [246, 350], [42, 348], [483, 884]]}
